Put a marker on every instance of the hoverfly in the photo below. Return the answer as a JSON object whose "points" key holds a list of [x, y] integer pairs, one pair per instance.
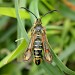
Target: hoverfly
{"points": [[38, 43]]}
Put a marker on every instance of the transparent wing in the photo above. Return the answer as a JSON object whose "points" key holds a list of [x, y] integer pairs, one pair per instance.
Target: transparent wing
{"points": [[47, 53], [27, 55], [28, 52]]}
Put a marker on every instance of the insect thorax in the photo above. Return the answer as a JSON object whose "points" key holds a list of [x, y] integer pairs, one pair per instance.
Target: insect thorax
{"points": [[38, 29]]}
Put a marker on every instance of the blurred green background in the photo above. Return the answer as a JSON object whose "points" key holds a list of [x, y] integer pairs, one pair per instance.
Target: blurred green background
{"points": [[15, 24]]}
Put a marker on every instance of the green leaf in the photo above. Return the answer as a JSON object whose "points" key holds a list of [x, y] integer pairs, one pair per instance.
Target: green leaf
{"points": [[9, 11]]}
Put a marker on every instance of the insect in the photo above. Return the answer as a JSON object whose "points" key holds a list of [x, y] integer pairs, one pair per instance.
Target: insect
{"points": [[38, 45]]}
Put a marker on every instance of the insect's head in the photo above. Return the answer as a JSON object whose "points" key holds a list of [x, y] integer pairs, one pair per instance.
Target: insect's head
{"points": [[38, 20]]}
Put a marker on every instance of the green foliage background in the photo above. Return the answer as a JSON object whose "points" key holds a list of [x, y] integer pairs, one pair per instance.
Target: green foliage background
{"points": [[15, 24]]}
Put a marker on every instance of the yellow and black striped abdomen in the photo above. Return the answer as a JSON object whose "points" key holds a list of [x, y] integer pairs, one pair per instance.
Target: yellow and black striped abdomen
{"points": [[37, 51]]}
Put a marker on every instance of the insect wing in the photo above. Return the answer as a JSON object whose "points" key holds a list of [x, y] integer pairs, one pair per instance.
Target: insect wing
{"points": [[47, 53], [25, 56], [48, 56], [28, 53]]}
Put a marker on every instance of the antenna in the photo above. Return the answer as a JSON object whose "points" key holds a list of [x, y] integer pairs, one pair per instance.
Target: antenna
{"points": [[36, 16], [30, 12], [48, 13]]}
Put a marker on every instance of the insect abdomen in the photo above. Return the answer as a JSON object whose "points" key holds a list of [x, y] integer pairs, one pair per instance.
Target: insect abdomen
{"points": [[37, 51]]}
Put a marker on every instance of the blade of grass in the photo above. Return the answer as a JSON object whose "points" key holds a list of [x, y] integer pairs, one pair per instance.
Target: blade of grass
{"points": [[46, 19], [52, 32], [19, 33], [8, 11], [66, 28], [52, 69], [47, 4], [67, 52], [42, 7], [34, 10], [14, 54], [20, 24], [54, 27], [21, 47], [60, 64]]}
